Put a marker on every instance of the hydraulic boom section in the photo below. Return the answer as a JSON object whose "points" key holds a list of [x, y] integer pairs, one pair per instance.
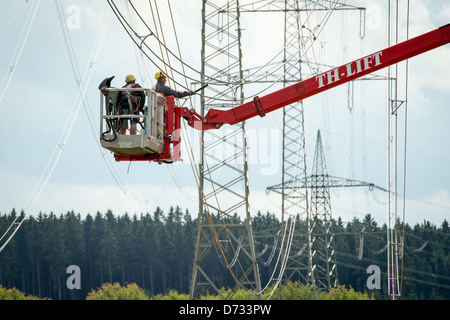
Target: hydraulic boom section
{"points": [[320, 82]]}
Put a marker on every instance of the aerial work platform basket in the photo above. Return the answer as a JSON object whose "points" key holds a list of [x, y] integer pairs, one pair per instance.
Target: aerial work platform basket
{"points": [[156, 138]]}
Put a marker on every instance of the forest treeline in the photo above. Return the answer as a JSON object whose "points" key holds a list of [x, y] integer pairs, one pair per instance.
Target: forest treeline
{"points": [[156, 251]]}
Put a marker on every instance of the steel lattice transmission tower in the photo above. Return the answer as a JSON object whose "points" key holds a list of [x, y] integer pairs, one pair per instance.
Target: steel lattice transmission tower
{"points": [[294, 199], [323, 258], [323, 254], [293, 184], [224, 224]]}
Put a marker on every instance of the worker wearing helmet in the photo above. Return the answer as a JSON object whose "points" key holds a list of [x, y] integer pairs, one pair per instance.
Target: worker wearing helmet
{"points": [[161, 87], [131, 102]]}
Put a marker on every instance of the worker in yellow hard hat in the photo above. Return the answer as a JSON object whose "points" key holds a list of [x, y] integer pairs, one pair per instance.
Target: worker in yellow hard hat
{"points": [[130, 78], [131, 102], [161, 87], [159, 75]]}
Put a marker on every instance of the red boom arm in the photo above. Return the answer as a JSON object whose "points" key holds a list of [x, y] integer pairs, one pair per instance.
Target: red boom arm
{"points": [[261, 105]]}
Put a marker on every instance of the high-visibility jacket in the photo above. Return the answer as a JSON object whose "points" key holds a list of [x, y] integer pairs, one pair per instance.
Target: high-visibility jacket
{"points": [[133, 100]]}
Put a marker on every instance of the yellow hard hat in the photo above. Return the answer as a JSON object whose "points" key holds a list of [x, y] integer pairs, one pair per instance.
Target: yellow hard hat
{"points": [[130, 78], [160, 74]]}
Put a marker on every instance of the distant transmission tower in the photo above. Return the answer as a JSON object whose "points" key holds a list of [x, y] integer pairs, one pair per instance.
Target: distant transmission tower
{"points": [[322, 244], [323, 254], [323, 269]]}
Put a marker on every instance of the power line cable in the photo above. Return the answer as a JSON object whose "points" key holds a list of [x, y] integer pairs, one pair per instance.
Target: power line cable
{"points": [[17, 222], [82, 82], [19, 48]]}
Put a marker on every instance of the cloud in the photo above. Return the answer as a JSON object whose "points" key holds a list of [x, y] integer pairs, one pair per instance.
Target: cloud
{"points": [[357, 202], [434, 207]]}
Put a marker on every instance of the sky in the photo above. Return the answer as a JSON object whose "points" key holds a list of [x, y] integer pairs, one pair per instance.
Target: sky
{"points": [[55, 53]]}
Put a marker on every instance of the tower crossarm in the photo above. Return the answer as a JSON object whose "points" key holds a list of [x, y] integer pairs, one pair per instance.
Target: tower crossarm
{"points": [[330, 182], [344, 182]]}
